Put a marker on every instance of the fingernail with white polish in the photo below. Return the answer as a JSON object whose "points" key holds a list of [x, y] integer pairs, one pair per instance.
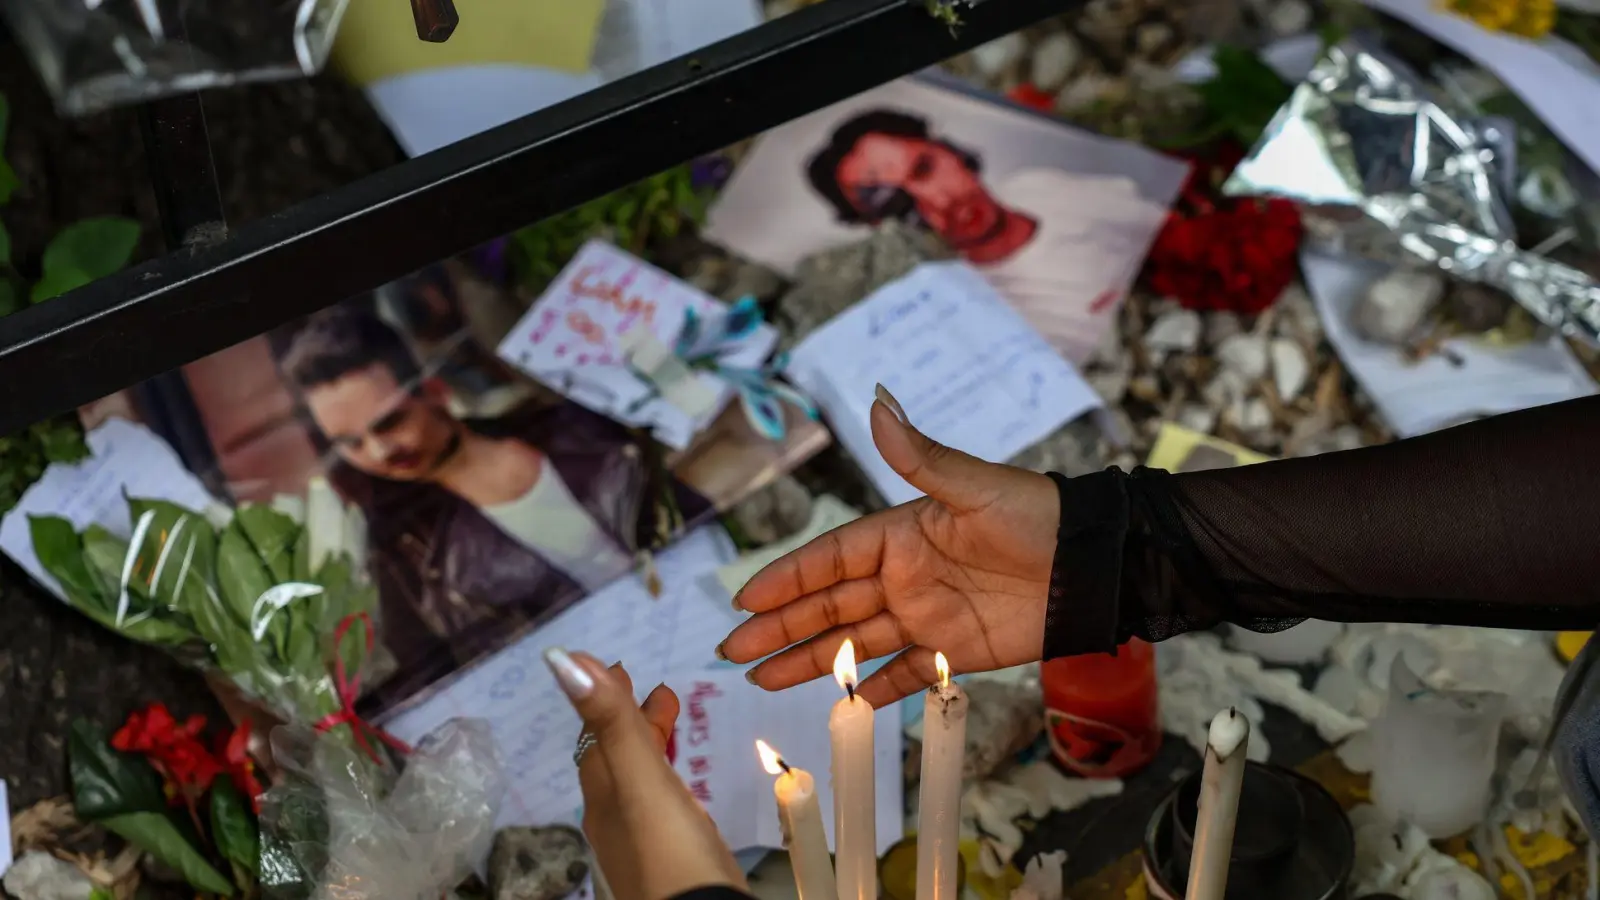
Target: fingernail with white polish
{"points": [[576, 682], [887, 399]]}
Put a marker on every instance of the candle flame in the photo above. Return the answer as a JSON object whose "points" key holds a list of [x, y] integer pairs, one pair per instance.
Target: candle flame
{"points": [[770, 760], [942, 666], [844, 666]]}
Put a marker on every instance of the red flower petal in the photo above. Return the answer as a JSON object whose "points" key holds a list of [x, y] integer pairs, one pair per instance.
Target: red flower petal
{"points": [[1032, 97]]}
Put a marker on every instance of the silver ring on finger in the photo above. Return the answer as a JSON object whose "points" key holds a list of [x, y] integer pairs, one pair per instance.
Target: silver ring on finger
{"points": [[585, 741]]}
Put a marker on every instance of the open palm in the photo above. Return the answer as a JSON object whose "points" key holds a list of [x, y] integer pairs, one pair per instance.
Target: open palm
{"points": [[964, 571]]}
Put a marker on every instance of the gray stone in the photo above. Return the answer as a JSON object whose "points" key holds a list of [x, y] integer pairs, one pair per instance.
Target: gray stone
{"points": [[40, 876], [999, 55], [1178, 329], [832, 281], [545, 863], [773, 513], [1054, 60], [1393, 309], [1072, 450]]}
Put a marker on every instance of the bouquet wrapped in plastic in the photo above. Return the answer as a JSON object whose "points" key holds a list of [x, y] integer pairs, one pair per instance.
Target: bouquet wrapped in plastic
{"points": [[265, 594], [333, 826]]}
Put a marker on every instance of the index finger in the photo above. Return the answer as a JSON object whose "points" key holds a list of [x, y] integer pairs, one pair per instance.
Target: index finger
{"points": [[853, 550]]}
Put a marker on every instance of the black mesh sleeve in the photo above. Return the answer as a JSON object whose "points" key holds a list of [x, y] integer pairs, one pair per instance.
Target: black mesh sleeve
{"points": [[1494, 523]]}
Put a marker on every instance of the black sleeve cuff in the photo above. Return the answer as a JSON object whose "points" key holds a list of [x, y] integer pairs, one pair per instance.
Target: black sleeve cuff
{"points": [[1081, 615]]}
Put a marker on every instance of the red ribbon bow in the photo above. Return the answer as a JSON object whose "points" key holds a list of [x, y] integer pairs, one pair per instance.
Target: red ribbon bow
{"points": [[349, 690]]}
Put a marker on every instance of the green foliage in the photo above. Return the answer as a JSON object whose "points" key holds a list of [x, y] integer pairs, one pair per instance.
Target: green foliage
{"points": [[661, 206], [234, 828], [84, 251], [945, 11], [1240, 99]]}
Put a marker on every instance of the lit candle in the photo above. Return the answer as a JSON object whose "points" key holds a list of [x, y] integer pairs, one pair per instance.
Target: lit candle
{"points": [[944, 748], [855, 831], [1218, 804], [800, 817]]}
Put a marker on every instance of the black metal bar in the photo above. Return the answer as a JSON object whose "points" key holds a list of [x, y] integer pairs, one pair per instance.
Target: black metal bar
{"points": [[184, 178], [178, 308]]}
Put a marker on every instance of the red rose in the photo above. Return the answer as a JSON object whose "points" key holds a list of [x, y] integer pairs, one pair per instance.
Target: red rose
{"points": [[236, 756], [1224, 253]]}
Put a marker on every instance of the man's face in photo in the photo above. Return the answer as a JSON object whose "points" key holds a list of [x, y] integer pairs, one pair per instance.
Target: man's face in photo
{"points": [[383, 429], [948, 195]]}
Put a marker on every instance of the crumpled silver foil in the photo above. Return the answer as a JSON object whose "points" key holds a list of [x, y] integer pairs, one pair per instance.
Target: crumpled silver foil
{"points": [[1384, 169]]}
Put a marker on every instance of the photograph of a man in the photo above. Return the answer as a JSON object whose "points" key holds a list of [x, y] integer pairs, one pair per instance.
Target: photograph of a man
{"points": [[478, 527], [1058, 220]]}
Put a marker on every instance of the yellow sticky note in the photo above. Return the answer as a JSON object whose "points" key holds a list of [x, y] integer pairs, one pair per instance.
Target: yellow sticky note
{"points": [[1180, 449], [378, 38], [1570, 643]]}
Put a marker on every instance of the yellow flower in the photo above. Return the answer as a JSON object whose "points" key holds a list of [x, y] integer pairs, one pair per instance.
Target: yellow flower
{"points": [[1524, 18]]}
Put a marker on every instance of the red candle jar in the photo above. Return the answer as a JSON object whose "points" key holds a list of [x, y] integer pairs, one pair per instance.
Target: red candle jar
{"points": [[1102, 712]]}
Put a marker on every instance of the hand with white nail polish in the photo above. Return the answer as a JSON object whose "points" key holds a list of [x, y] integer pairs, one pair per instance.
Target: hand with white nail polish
{"points": [[964, 570], [651, 838]]}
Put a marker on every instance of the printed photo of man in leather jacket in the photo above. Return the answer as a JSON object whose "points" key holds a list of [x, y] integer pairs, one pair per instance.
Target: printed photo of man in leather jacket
{"points": [[479, 528]]}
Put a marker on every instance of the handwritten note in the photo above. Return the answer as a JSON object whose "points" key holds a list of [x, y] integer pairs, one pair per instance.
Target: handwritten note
{"points": [[577, 339], [125, 458], [668, 640], [969, 371]]}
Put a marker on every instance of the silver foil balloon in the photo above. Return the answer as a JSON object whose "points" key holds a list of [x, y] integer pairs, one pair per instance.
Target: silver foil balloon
{"points": [[1385, 169]]}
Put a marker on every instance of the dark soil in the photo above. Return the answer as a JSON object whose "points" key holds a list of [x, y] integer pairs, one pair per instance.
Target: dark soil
{"points": [[274, 145]]}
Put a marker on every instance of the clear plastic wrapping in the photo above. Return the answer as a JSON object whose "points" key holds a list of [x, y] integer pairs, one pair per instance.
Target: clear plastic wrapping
{"points": [[92, 56], [334, 826]]}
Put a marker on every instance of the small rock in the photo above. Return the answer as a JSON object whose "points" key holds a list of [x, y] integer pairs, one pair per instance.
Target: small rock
{"points": [[1477, 307], [1225, 388], [1393, 309], [995, 57], [1110, 384], [1287, 18], [537, 863], [1153, 39], [40, 876], [1199, 418], [1245, 354], [1111, 351], [1054, 60], [1176, 330], [1220, 326], [1290, 369], [773, 513], [1251, 415]]}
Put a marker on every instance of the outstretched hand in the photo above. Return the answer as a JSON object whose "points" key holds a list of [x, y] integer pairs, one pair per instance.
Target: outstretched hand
{"points": [[964, 570]]}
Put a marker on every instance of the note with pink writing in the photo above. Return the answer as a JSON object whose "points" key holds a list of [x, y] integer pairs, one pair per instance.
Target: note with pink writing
{"points": [[588, 333]]}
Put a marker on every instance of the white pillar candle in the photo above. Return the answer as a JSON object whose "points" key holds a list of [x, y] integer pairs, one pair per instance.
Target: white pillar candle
{"points": [[855, 830], [800, 817], [944, 750], [1218, 805]]}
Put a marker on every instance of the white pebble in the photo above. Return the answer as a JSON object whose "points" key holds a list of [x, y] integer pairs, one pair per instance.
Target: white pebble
{"points": [[1245, 354], [1054, 60], [1393, 309], [1288, 18], [1290, 370], [1199, 418], [996, 56], [1225, 388], [1176, 330]]}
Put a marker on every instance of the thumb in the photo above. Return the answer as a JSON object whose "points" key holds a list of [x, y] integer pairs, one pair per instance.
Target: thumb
{"points": [[602, 697], [957, 479]]}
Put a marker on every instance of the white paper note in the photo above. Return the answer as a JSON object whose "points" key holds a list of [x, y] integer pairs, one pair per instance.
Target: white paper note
{"points": [[571, 339], [827, 513], [125, 458], [1415, 398], [968, 370], [1554, 78], [669, 639], [638, 34]]}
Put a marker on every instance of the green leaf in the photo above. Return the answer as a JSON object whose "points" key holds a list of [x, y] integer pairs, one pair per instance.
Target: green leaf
{"points": [[61, 439], [241, 576], [55, 283], [273, 535], [233, 826], [100, 893], [5, 246], [9, 301], [107, 782], [176, 553], [60, 550], [158, 835], [95, 247]]}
